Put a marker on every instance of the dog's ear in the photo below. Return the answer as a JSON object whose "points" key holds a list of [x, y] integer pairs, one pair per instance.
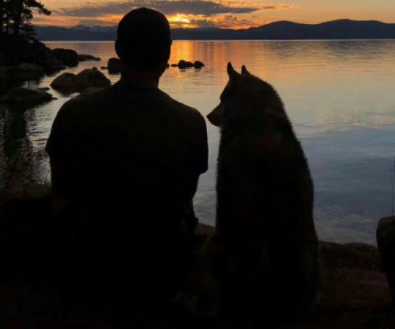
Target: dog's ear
{"points": [[244, 71], [233, 75]]}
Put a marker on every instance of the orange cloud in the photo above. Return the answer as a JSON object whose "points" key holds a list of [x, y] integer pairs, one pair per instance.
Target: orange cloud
{"points": [[181, 13]]}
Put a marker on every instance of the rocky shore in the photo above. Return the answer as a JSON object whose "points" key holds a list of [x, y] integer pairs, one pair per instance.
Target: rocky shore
{"points": [[22, 60], [354, 291]]}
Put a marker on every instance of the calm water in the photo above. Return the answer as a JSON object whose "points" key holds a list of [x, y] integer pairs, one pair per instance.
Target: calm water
{"points": [[339, 95]]}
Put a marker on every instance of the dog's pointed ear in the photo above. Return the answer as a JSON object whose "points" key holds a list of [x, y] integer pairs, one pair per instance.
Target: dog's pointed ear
{"points": [[244, 71], [232, 73]]}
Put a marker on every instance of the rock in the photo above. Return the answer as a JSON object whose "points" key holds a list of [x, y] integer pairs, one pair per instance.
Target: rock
{"points": [[198, 65], [44, 88], [114, 66], [27, 67], [52, 70], [60, 67], [65, 83], [91, 90], [68, 57], [104, 68], [184, 64], [351, 255], [385, 236], [26, 97], [174, 65], [91, 78], [27, 71], [84, 58]]}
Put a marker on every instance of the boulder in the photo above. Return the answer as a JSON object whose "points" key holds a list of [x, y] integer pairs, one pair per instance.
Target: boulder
{"points": [[114, 66], [67, 57], [84, 58], [198, 64], [91, 78], [385, 236], [184, 64], [174, 65], [91, 90], [26, 97], [27, 71], [27, 67], [65, 83], [52, 70], [104, 68]]}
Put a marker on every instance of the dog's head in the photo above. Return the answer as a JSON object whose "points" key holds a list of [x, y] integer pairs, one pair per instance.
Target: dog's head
{"points": [[240, 96]]}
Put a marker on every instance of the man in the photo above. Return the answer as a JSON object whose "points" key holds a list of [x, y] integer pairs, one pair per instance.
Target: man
{"points": [[126, 160]]}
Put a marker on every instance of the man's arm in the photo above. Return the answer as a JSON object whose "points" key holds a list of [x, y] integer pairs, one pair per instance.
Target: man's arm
{"points": [[59, 148], [200, 155]]}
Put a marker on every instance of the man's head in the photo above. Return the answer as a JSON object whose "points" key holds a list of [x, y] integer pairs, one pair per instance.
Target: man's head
{"points": [[144, 41]]}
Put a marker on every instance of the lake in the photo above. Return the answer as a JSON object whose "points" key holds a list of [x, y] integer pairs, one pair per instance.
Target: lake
{"points": [[339, 96]]}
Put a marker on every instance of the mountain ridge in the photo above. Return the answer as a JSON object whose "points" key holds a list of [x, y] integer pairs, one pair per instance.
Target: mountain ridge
{"points": [[281, 30]]}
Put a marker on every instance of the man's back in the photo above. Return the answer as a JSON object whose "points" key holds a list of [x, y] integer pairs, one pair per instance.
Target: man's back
{"points": [[128, 150]]}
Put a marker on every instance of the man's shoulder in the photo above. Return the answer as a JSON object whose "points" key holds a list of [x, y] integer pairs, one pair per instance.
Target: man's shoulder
{"points": [[189, 113], [91, 99]]}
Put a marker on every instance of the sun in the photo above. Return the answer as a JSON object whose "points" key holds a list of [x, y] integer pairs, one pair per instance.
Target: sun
{"points": [[180, 20]]}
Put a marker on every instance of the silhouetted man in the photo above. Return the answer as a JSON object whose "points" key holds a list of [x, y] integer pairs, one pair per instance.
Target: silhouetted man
{"points": [[126, 160]]}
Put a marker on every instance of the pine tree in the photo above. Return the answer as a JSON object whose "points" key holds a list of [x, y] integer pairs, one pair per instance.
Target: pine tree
{"points": [[20, 12]]}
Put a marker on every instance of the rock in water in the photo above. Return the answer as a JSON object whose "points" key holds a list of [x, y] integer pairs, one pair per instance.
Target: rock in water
{"points": [[114, 66], [67, 56], [84, 58], [65, 83], [386, 242], [198, 64], [184, 64], [91, 78], [26, 97]]}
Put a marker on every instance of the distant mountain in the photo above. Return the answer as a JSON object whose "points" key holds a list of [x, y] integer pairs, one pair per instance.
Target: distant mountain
{"points": [[284, 30]]}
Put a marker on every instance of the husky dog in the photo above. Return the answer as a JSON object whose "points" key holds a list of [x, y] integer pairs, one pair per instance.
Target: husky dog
{"points": [[264, 203]]}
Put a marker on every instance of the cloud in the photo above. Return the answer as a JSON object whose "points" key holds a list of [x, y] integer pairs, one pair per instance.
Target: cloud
{"points": [[233, 22], [187, 7], [219, 21]]}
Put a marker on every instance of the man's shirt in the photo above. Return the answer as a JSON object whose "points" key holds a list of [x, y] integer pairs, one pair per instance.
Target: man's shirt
{"points": [[128, 150]]}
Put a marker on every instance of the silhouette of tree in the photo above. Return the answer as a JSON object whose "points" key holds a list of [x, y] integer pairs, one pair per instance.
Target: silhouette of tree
{"points": [[2, 12], [16, 15]]}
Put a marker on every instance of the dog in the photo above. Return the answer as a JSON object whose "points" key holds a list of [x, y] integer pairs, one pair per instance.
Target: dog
{"points": [[264, 221]]}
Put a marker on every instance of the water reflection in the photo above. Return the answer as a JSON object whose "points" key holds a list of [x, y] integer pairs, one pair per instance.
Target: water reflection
{"points": [[17, 152]]}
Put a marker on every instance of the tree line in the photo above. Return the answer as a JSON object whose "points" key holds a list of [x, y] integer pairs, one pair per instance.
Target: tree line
{"points": [[16, 16]]}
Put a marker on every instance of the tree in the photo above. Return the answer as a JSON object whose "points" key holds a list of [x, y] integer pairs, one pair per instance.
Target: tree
{"points": [[17, 15], [2, 12]]}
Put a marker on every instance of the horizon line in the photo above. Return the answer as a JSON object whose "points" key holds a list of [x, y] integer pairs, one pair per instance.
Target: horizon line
{"points": [[218, 28]]}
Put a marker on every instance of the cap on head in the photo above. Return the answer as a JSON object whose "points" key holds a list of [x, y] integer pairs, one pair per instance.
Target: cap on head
{"points": [[143, 39]]}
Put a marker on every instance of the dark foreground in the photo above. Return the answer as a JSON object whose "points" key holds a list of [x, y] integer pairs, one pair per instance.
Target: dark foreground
{"points": [[354, 289]]}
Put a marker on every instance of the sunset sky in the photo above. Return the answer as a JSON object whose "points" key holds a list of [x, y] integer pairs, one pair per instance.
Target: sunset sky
{"points": [[223, 14]]}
